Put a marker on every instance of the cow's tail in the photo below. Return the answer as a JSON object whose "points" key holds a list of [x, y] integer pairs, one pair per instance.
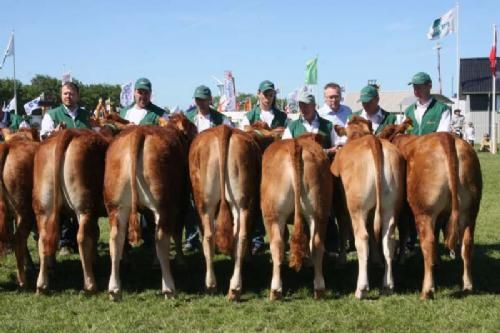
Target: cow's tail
{"points": [[298, 241], [224, 225], [52, 228], [377, 152], [134, 230], [452, 161], [5, 229]]}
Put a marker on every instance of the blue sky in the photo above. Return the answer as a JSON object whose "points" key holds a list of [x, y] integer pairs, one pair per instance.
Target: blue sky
{"points": [[181, 44]]}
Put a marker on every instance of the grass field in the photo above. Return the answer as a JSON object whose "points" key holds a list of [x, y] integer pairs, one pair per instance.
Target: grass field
{"points": [[143, 309]]}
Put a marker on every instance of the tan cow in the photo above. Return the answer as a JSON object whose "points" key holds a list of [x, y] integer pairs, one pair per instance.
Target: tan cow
{"points": [[68, 177], [444, 188], [224, 165], [372, 174], [16, 178], [147, 170], [296, 185]]}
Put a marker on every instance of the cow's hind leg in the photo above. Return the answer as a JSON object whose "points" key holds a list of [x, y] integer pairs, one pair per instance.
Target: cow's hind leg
{"points": [[241, 238], [316, 246], [388, 248], [277, 247], [162, 243], [467, 247], [363, 250], [86, 242], [47, 245], [118, 220], [21, 249], [425, 228], [208, 250]]}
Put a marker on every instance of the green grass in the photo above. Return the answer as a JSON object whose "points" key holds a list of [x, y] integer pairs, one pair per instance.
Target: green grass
{"points": [[143, 309]]}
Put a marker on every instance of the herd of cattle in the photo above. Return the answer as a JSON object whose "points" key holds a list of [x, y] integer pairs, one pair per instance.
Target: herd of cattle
{"points": [[373, 185]]}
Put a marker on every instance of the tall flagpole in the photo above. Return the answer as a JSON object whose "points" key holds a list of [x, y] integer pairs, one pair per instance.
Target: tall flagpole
{"points": [[458, 57], [493, 104], [14, 61]]}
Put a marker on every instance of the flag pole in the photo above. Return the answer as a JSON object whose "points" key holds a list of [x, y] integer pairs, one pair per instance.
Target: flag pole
{"points": [[14, 62], [493, 104], [458, 58]]}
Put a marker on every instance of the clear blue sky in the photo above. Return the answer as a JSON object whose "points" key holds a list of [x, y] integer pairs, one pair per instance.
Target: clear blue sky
{"points": [[181, 44]]}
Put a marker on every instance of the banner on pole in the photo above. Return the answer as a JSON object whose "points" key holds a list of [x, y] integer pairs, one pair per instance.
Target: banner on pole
{"points": [[442, 26], [312, 71], [9, 51], [126, 95], [32, 105]]}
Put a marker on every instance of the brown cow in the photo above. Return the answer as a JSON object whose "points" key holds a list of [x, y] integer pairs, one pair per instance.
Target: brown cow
{"points": [[224, 165], [68, 177], [146, 170], [296, 185], [448, 195], [372, 175], [16, 178]]}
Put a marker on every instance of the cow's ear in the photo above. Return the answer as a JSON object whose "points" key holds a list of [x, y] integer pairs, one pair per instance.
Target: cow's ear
{"points": [[339, 130]]}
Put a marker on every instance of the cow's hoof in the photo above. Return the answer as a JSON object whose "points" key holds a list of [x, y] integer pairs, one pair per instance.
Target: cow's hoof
{"points": [[275, 295], [319, 294], [387, 291], [115, 296], [424, 295], [211, 290], [91, 291], [234, 295], [169, 294], [361, 293], [42, 291]]}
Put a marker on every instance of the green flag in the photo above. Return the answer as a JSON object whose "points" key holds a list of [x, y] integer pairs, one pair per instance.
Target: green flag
{"points": [[312, 71]]}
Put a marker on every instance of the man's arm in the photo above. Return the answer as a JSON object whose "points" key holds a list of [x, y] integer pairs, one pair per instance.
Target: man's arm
{"points": [[287, 134], [444, 123], [47, 126]]}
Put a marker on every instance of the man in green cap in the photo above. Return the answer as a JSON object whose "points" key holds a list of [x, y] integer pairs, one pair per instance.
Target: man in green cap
{"points": [[369, 98], [204, 117], [266, 109], [310, 122], [143, 111], [427, 114]]}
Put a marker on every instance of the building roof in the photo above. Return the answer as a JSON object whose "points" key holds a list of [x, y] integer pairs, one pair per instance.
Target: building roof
{"points": [[475, 76], [392, 101]]}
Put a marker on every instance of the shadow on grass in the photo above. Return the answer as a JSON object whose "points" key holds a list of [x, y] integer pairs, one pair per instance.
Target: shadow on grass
{"points": [[138, 274]]}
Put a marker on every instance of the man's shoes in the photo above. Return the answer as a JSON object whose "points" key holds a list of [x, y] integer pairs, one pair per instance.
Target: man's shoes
{"points": [[65, 251]]}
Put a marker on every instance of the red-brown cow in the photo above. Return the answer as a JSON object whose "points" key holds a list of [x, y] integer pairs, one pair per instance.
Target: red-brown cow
{"points": [[224, 166], [296, 185], [16, 178], [147, 170], [372, 174], [68, 176]]}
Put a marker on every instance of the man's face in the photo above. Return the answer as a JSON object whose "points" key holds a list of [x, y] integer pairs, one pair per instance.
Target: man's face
{"points": [[69, 96], [333, 97], [266, 99], [203, 104], [371, 107], [422, 91], [142, 97], [307, 110]]}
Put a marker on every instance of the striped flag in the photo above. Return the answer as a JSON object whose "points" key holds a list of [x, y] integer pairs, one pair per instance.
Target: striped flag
{"points": [[9, 51], [493, 54]]}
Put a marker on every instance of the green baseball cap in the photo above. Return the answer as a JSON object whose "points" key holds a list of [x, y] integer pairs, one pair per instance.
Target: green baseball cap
{"points": [[266, 85], [143, 84], [367, 94], [202, 92], [420, 78], [307, 98]]}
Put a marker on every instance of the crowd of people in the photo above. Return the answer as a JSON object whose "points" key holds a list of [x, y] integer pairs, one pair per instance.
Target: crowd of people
{"points": [[427, 114]]}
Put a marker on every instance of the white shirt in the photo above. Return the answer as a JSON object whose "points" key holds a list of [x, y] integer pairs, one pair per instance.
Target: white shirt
{"points": [[135, 114], [470, 133], [266, 116], [444, 122], [338, 117], [376, 119], [203, 122], [312, 127], [48, 123]]}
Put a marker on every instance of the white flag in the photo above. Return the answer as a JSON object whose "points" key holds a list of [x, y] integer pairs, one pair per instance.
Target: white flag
{"points": [[229, 92], [442, 26], [32, 105], [9, 51], [11, 105], [66, 78], [127, 95]]}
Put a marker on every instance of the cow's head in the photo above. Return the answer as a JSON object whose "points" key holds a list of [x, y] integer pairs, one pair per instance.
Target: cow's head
{"points": [[391, 131], [357, 127], [182, 123]]}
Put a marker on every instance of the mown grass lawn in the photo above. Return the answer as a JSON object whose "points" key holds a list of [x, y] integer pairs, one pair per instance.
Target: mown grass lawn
{"points": [[143, 309]]}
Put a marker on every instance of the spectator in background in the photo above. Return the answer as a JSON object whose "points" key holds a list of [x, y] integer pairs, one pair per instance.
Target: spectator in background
{"points": [[470, 133], [457, 123], [485, 143]]}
